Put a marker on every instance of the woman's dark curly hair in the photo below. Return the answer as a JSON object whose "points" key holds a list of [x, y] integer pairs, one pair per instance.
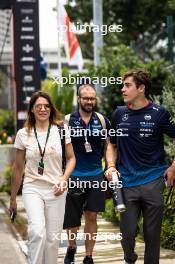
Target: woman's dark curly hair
{"points": [[54, 117]]}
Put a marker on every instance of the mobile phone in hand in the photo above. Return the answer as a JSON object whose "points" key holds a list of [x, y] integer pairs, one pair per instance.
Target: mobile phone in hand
{"points": [[12, 215]]}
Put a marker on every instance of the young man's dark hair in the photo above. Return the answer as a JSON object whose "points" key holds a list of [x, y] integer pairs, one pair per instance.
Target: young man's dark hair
{"points": [[140, 77]]}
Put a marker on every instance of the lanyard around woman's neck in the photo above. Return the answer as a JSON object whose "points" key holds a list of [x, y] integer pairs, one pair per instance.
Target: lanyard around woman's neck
{"points": [[41, 163]]}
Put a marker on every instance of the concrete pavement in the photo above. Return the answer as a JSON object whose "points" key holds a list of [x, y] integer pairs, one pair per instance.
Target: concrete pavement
{"points": [[10, 252], [110, 251], [107, 249]]}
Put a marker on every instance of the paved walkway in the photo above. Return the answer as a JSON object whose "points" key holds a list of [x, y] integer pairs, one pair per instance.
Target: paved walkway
{"points": [[105, 252], [10, 251], [110, 251]]}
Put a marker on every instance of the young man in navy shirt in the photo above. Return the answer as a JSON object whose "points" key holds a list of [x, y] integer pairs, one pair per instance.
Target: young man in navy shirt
{"points": [[88, 135], [137, 151]]}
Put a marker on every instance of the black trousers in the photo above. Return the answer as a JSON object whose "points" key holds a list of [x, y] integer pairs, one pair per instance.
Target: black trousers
{"points": [[148, 200]]}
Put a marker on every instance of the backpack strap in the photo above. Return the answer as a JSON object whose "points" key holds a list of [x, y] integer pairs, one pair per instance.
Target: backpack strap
{"points": [[102, 120], [103, 123], [67, 119], [62, 137]]}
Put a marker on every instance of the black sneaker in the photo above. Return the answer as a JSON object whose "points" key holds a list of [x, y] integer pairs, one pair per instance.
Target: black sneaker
{"points": [[70, 255], [88, 260]]}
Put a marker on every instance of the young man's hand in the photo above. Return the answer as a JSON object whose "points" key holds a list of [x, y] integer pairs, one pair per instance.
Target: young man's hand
{"points": [[170, 174], [108, 173]]}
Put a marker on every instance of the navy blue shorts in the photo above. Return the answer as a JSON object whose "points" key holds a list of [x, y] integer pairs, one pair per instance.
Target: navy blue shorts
{"points": [[89, 198]]}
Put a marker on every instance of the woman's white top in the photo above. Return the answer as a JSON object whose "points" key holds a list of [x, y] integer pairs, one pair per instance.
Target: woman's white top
{"points": [[52, 157]]}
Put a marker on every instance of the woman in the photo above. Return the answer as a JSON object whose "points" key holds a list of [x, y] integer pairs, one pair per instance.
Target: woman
{"points": [[39, 156]]}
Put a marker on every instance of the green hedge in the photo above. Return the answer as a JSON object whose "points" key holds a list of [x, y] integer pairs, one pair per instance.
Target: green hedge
{"points": [[6, 187], [6, 127], [110, 213], [168, 225]]}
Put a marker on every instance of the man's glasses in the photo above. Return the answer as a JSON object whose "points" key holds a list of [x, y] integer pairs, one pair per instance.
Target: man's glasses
{"points": [[40, 106], [92, 99]]}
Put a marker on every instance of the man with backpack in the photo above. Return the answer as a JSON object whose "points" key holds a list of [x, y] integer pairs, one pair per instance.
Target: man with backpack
{"points": [[138, 153], [88, 139]]}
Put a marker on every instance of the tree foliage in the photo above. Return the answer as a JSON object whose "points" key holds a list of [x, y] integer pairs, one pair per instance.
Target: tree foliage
{"points": [[115, 62], [143, 21], [62, 95]]}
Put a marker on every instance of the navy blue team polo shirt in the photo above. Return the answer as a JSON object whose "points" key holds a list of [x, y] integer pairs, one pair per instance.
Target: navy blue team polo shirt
{"points": [[87, 163], [141, 155]]}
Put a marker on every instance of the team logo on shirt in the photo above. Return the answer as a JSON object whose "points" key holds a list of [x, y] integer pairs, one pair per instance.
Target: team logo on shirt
{"points": [[147, 117], [77, 123], [96, 122], [155, 108], [125, 117]]}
